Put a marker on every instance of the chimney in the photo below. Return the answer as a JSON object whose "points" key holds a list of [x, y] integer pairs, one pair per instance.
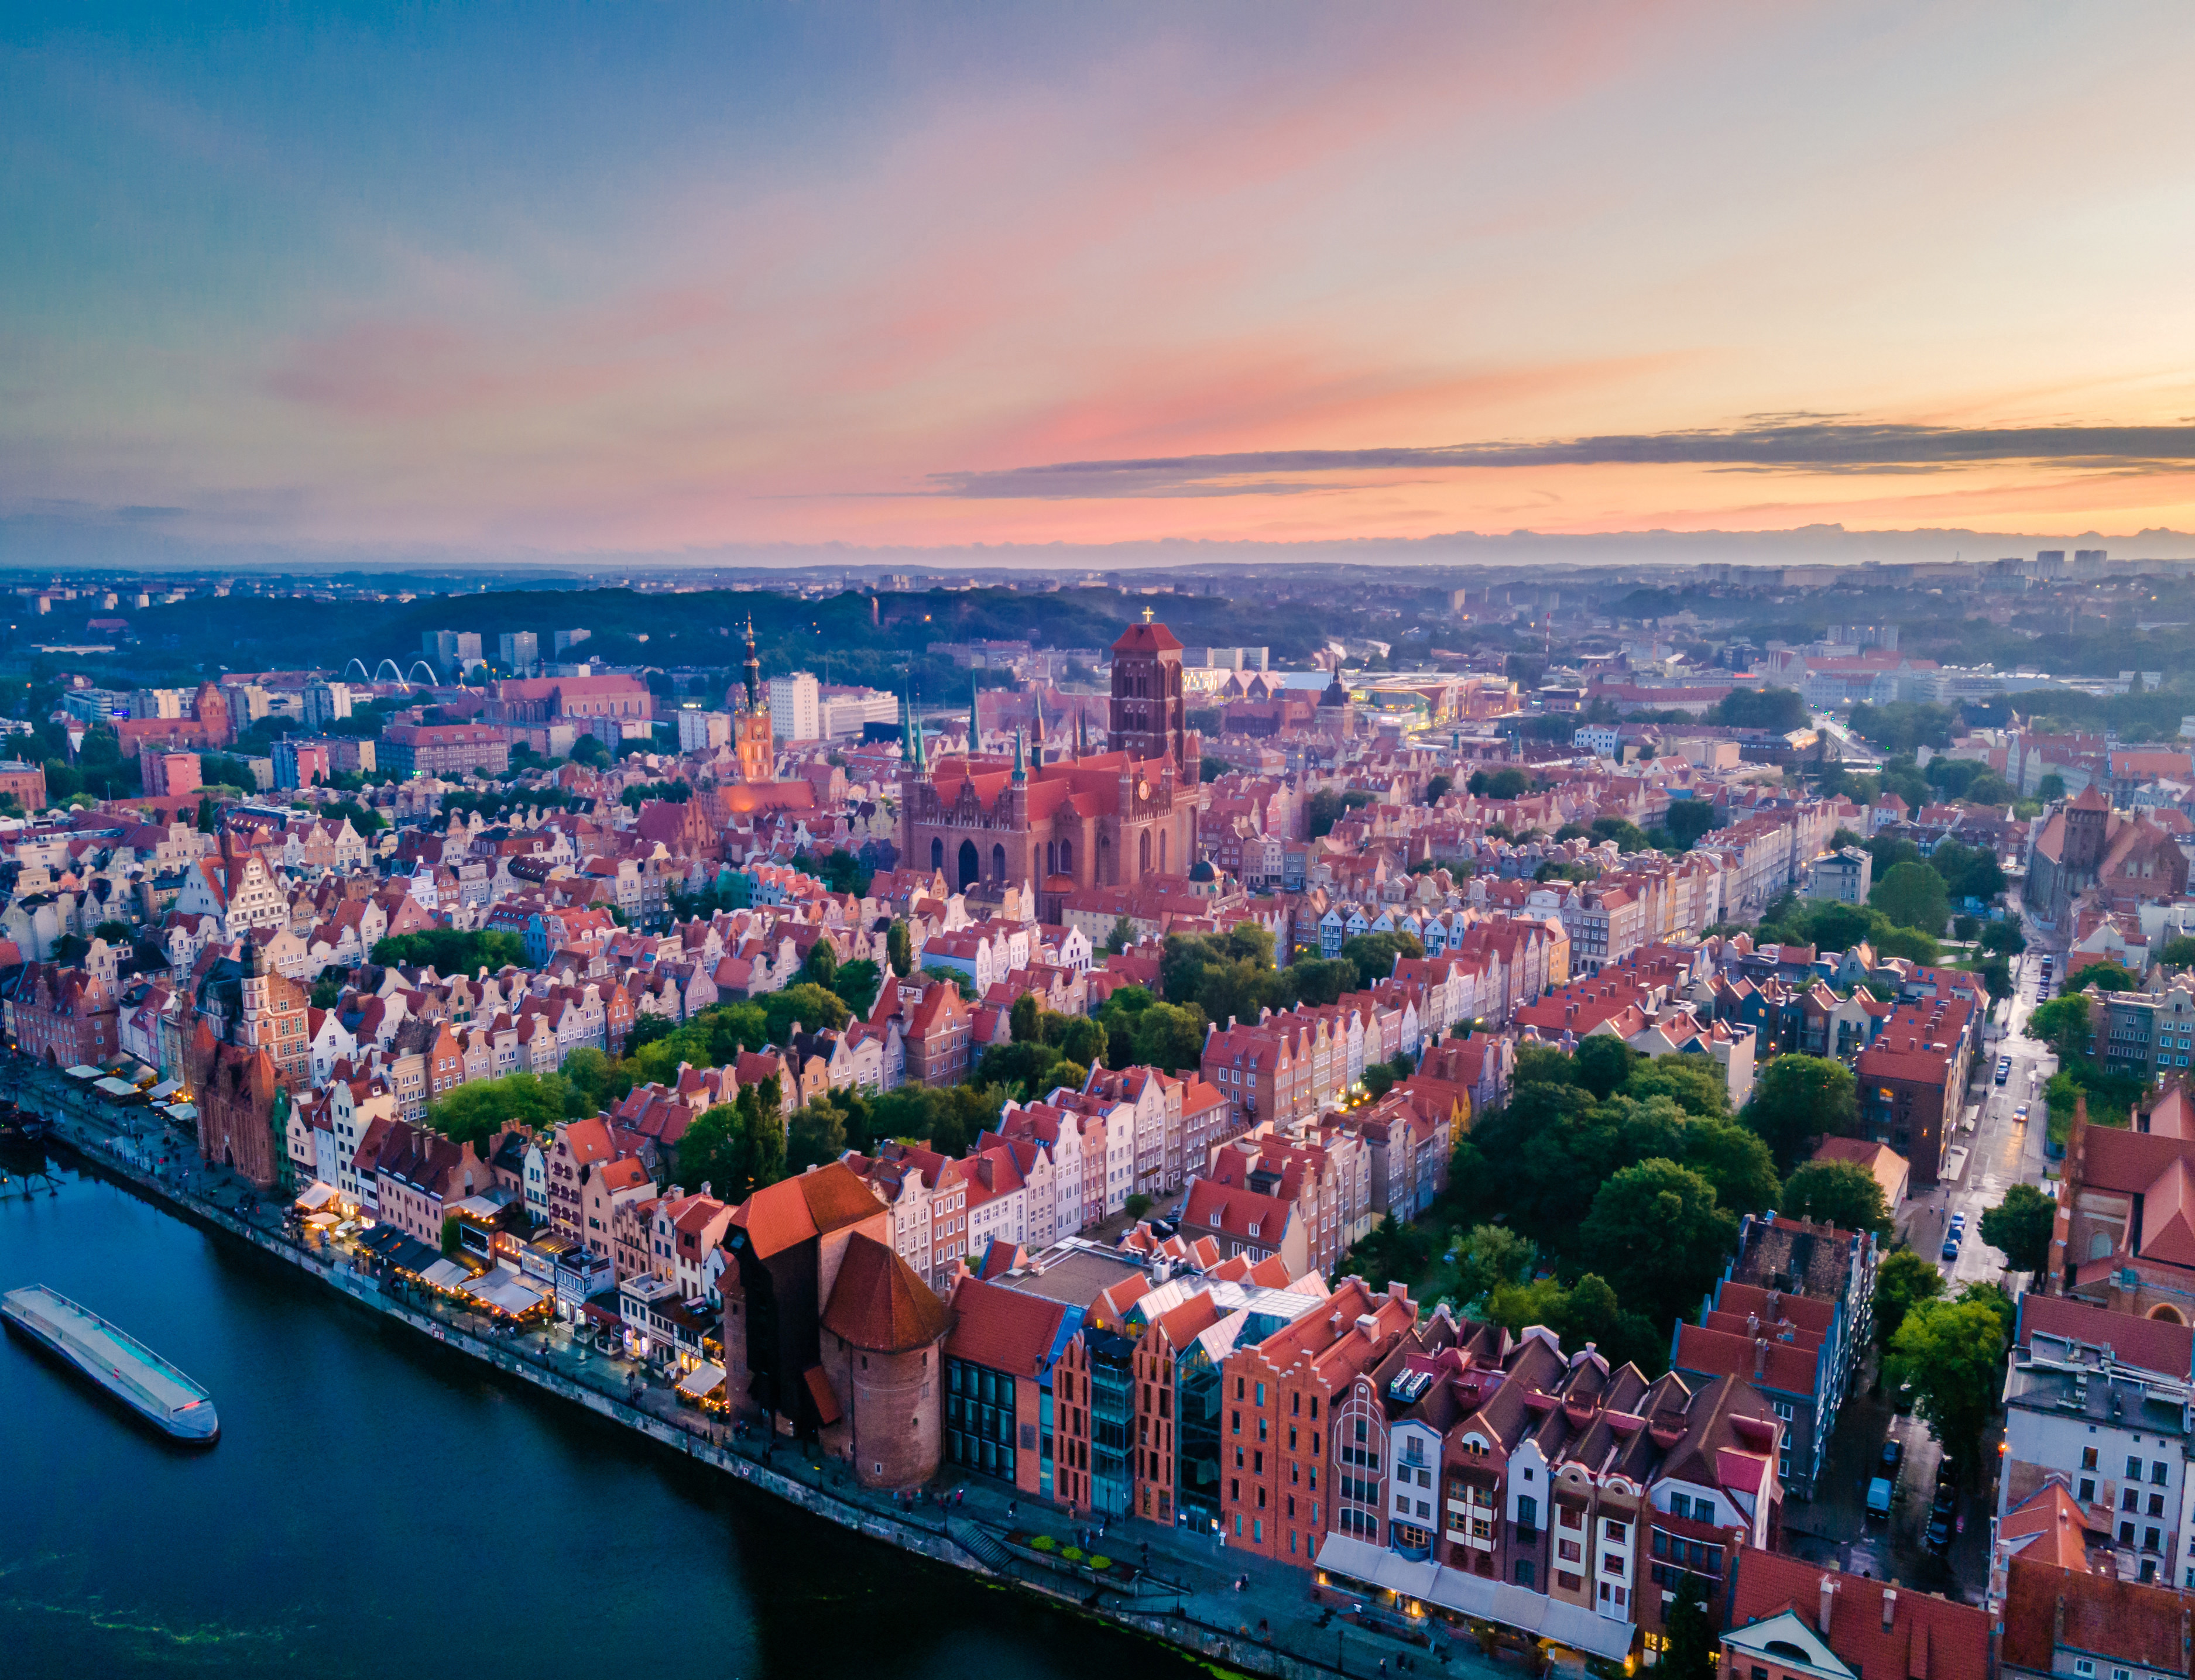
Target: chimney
{"points": [[1889, 1607], [1829, 1600], [1760, 1355]]}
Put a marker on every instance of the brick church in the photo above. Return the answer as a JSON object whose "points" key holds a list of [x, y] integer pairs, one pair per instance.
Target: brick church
{"points": [[1084, 819], [247, 1054]]}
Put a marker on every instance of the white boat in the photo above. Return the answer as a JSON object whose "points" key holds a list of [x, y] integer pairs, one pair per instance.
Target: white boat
{"points": [[119, 1363]]}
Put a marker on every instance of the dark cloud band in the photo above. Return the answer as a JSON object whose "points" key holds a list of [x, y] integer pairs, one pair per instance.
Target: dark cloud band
{"points": [[1810, 445]]}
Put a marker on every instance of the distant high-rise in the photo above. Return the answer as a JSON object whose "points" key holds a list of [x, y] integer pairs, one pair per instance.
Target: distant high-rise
{"points": [[2050, 563], [572, 638], [796, 706], [2091, 557], [519, 651], [458, 650], [325, 702]]}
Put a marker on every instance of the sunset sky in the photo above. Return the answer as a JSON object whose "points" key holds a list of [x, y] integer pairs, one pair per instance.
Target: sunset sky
{"points": [[646, 278]]}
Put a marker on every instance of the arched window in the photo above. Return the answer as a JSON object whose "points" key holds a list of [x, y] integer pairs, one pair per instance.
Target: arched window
{"points": [[937, 854], [1163, 852], [970, 870], [1051, 857], [998, 866], [1066, 857], [1143, 854], [2167, 1314]]}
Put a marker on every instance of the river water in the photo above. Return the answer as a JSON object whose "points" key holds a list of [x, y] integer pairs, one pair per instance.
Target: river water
{"points": [[380, 1506]]}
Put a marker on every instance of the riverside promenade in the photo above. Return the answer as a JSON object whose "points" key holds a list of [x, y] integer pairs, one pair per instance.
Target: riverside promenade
{"points": [[1223, 1606]]}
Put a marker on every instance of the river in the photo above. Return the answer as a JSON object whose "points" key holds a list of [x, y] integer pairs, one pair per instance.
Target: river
{"points": [[380, 1506]]}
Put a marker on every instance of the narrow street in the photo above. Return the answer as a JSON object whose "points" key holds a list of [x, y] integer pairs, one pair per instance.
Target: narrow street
{"points": [[1992, 1150]]}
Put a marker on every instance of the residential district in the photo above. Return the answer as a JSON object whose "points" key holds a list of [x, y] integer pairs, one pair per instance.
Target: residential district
{"points": [[1672, 1151]]}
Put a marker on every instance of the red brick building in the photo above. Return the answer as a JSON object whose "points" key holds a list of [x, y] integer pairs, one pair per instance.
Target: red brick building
{"points": [[66, 1017]]}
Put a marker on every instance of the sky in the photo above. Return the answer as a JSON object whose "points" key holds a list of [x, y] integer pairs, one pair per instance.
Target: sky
{"points": [[658, 278]]}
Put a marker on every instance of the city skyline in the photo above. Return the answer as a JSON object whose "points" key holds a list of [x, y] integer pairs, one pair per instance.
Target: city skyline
{"points": [[862, 279]]}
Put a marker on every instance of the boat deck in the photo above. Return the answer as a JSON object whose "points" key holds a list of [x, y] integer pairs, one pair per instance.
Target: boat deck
{"points": [[114, 1358]]}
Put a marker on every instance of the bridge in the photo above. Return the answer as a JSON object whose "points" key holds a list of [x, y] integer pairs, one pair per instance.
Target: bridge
{"points": [[400, 676]]}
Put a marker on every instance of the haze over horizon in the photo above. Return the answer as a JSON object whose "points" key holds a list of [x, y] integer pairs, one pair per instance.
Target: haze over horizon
{"points": [[474, 287]]}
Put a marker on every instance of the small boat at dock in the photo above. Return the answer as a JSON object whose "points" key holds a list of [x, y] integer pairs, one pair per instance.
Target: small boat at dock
{"points": [[123, 1366]]}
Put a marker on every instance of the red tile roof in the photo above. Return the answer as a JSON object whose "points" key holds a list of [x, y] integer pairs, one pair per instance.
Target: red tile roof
{"points": [[1002, 1329], [1925, 1638], [2121, 1621]]}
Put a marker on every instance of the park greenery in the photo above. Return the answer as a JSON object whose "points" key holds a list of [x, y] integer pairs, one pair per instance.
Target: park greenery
{"points": [[449, 950]]}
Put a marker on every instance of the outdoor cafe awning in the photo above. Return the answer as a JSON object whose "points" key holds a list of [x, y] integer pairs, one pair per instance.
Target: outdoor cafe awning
{"points": [[701, 1381], [445, 1274], [115, 1088], [316, 1197], [164, 1090], [1462, 1594], [506, 1292]]}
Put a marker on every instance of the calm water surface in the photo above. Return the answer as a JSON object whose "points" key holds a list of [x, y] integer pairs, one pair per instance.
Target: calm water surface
{"points": [[379, 1506]]}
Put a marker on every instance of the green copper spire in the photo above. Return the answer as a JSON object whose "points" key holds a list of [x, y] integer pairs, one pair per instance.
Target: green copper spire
{"points": [[914, 752], [1020, 766]]}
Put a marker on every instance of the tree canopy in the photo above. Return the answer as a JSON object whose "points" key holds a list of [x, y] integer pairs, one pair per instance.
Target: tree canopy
{"points": [[449, 950], [1912, 895], [1798, 1098], [1952, 1352], [2020, 1225], [1843, 1194], [1659, 1227]]}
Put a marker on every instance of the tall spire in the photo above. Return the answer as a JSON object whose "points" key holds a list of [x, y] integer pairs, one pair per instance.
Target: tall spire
{"points": [[913, 736], [753, 677], [975, 729], [1020, 768], [1036, 738], [1081, 732]]}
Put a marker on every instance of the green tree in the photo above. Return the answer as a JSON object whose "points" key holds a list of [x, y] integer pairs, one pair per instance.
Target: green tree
{"points": [[1626, 835], [1604, 1062], [1689, 820], [1903, 1280], [1782, 710], [1490, 1257], [856, 984], [806, 1004], [955, 979], [1436, 786], [1798, 1098], [1735, 1161], [476, 1111], [2020, 1225], [1952, 1352], [1912, 895], [1136, 1205], [1657, 1226], [114, 933], [1170, 1037], [736, 1148], [327, 987], [899, 947], [815, 1136], [821, 967], [1843, 1194], [2178, 952], [1122, 937], [450, 1241], [2063, 1024], [599, 1081], [448, 951], [1376, 954], [2109, 976], [1694, 1083], [2051, 787], [1504, 783], [1694, 1638]]}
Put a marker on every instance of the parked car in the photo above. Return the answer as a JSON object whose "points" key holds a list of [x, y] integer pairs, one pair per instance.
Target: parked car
{"points": [[1959, 1224], [1939, 1534], [1879, 1494], [2003, 1068], [2019, 1115], [1950, 1248], [1946, 1501], [1893, 1455]]}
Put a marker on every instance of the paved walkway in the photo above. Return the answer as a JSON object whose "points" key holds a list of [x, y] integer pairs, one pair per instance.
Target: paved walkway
{"points": [[1177, 1575]]}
